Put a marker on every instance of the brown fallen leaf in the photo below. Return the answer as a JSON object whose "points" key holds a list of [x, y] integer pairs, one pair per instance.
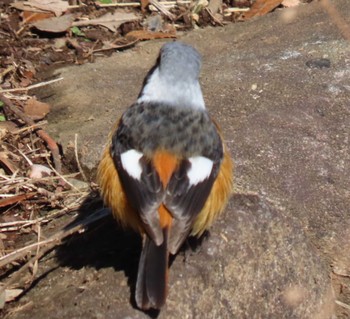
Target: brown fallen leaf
{"points": [[5, 127], [12, 294], [149, 35], [27, 72], [35, 109], [20, 5], [58, 7], [111, 21], [55, 24], [214, 6], [31, 16], [16, 199], [261, 7]]}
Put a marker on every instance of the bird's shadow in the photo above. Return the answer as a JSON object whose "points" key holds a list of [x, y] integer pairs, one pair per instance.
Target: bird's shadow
{"points": [[105, 244]]}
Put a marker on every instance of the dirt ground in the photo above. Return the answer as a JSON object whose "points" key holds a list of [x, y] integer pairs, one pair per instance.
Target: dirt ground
{"points": [[279, 87]]}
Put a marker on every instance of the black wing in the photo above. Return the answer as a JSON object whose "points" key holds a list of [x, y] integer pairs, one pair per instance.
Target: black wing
{"points": [[185, 201], [144, 193]]}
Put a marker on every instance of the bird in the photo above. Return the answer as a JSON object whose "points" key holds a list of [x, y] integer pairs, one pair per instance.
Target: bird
{"points": [[166, 172]]}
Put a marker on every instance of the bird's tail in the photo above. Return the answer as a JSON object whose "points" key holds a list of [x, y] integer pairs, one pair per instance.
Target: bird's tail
{"points": [[152, 277]]}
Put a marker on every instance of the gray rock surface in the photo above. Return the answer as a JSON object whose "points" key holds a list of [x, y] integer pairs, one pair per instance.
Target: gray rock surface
{"points": [[287, 127]]}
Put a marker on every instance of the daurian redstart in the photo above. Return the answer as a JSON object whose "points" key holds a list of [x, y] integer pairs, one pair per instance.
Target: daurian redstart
{"points": [[165, 171]]}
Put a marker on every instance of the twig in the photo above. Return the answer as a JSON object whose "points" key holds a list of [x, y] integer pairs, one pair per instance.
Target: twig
{"points": [[8, 70], [63, 178], [55, 239], [36, 263], [30, 163], [51, 144], [15, 199], [35, 125], [17, 225], [138, 4], [30, 87], [77, 158], [342, 304], [21, 181], [162, 9], [214, 18], [234, 9], [117, 47], [48, 244], [118, 4]]}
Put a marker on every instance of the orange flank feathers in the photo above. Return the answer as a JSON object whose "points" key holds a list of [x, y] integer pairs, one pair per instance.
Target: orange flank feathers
{"points": [[113, 193]]}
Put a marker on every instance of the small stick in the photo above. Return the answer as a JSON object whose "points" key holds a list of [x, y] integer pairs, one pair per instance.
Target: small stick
{"points": [[14, 226], [117, 4], [138, 4], [62, 177], [116, 47], [51, 144], [36, 125], [8, 70], [342, 304], [230, 10], [162, 9], [48, 244], [77, 158], [30, 87], [15, 199], [213, 17]]}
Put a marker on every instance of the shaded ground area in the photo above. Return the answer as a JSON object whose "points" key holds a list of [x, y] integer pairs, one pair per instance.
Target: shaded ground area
{"points": [[285, 115]]}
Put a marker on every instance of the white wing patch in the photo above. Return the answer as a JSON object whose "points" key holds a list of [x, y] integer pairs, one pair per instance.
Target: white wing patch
{"points": [[201, 168], [131, 163]]}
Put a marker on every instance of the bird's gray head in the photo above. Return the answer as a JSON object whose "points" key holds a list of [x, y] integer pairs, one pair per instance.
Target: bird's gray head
{"points": [[179, 62], [174, 78]]}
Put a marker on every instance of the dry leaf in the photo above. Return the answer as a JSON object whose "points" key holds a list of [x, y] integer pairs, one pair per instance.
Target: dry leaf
{"points": [[5, 127], [148, 35], [27, 69], [16, 199], [12, 294], [35, 109], [111, 21], [31, 16], [261, 7], [214, 6], [56, 24], [20, 5], [290, 3], [58, 7]]}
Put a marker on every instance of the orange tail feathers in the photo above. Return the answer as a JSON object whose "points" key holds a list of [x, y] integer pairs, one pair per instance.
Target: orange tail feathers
{"points": [[152, 277]]}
